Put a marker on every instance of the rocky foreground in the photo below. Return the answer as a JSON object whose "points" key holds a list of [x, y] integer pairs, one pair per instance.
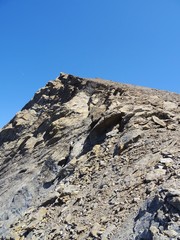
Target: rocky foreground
{"points": [[92, 159]]}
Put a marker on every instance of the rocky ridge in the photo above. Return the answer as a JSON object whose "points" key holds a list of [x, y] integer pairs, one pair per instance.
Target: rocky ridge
{"points": [[92, 159]]}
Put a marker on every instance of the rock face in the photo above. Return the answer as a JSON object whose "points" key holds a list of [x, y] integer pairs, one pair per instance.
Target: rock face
{"points": [[92, 159]]}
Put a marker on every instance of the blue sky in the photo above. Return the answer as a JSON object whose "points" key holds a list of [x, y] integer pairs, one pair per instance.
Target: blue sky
{"points": [[136, 42]]}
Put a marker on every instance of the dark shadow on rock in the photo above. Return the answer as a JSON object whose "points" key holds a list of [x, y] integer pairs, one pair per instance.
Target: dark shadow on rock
{"points": [[8, 135], [99, 130]]}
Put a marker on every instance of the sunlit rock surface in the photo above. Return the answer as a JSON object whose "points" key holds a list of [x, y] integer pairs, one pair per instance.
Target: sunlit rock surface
{"points": [[92, 159]]}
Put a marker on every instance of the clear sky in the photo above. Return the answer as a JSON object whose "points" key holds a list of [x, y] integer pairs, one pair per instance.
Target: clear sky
{"points": [[130, 41]]}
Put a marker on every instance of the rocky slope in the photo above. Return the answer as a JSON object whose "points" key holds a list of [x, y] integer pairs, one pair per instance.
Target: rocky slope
{"points": [[92, 159]]}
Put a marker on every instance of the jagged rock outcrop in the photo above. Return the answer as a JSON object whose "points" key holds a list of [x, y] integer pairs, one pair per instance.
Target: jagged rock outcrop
{"points": [[92, 159]]}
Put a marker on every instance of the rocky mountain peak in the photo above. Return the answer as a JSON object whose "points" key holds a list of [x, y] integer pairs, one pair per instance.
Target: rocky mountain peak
{"points": [[92, 159]]}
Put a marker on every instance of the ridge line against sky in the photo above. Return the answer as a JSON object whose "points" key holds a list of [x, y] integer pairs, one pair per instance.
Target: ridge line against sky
{"points": [[134, 42]]}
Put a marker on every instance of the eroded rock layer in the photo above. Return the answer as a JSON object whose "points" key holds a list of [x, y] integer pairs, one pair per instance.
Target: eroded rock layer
{"points": [[92, 159]]}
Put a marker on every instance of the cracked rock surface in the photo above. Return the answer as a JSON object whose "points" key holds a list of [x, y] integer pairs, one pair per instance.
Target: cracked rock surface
{"points": [[92, 159]]}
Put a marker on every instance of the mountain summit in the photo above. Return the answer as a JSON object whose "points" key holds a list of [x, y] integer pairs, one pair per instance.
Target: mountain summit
{"points": [[92, 159]]}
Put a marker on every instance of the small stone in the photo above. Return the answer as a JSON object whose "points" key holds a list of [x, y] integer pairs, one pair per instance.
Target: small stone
{"points": [[159, 121], [168, 162], [172, 127], [81, 228], [67, 190], [68, 218], [96, 149], [168, 106], [103, 163], [29, 145], [63, 75], [104, 219], [146, 127], [108, 231], [95, 230], [155, 175], [170, 233], [154, 230], [41, 213]]}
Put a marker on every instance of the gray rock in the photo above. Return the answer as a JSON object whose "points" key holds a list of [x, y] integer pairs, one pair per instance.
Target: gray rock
{"points": [[158, 121], [91, 159]]}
